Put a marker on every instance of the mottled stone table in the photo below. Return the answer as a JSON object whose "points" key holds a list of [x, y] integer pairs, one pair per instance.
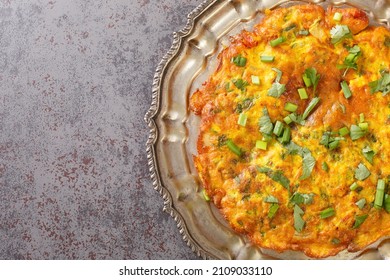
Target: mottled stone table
{"points": [[75, 84]]}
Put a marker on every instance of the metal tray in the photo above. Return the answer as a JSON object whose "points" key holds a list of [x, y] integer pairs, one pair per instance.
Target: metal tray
{"points": [[173, 128]]}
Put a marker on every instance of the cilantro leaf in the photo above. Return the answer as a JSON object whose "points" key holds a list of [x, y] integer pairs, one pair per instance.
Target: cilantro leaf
{"points": [[276, 175], [340, 32], [272, 210], [276, 90], [302, 198], [368, 153], [314, 78], [362, 172], [266, 126], [350, 60], [240, 84], [308, 161], [329, 141], [299, 223], [356, 132], [382, 85], [271, 199]]}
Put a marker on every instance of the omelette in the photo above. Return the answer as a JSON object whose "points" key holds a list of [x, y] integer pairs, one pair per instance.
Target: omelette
{"points": [[294, 125]]}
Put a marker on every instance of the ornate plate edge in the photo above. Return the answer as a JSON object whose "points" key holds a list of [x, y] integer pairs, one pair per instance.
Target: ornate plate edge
{"points": [[153, 131]]}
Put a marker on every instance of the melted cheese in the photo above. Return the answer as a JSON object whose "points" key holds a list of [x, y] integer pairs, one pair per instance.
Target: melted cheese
{"points": [[234, 182]]}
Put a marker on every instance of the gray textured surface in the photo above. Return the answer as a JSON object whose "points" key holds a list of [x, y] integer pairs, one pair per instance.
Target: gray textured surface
{"points": [[75, 83]]}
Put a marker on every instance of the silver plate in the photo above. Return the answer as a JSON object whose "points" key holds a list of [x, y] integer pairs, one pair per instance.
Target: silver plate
{"points": [[173, 128]]}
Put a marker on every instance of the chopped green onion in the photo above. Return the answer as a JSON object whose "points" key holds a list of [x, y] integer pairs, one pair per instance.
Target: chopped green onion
{"points": [[313, 76], [271, 199], [279, 74], [302, 93], [363, 126], [380, 192], [262, 145], [287, 120], [369, 154], [337, 16], [343, 131], [354, 186], [205, 196], [357, 132], [277, 41], [239, 61], [233, 147], [360, 203], [306, 80], [303, 32], [346, 90], [387, 203], [382, 85], [278, 129], [291, 107], [310, 107], [325, 166], [359, 220], [267, 58], [240, 84], [327, 213], [242, 118], [286, 135], [255, 80], [362, 172], [272, 210], [361, 117], [334, 145]]}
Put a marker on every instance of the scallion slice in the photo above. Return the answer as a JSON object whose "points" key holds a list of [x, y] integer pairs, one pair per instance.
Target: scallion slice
{"points": [[262, 145], [360, 203], [233, 147], [242, 118], [277, 41], [363, 126], [306, 80], [302, 93], [361, 117], [346, 90], [354, 186], [267, 58], [288, 120], [290, 107], [387, 203], [303, 32], [325, 166], [327, 213], [380, 193], [255, 80], [357, 132], [344, 131], [278, 129], [310, 107], [239, 61], [337, 16], [286, 135]]}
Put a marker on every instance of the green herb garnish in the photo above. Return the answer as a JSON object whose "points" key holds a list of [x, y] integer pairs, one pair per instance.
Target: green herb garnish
{"points": [[299, 223], [240, 84], [310, 107], [271, 199], [308, 161], [346, 90], [239, 61], [359, 220], [276, 175], [272, 210], [311, 78], [361, 203], [362, 172], [368, 153], [302, 198], [266, 126], [329, 212], [356, 132], [233, 147], [277, 41], [380, 193], [381, 85], [339, 33]]}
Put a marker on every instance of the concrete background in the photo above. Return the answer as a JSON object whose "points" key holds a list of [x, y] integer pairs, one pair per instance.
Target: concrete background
{"points": [[75, 84]]}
